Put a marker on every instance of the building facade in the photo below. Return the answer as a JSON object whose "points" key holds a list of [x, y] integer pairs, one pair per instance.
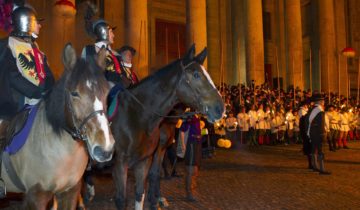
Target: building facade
{"points": [[282, 42]]}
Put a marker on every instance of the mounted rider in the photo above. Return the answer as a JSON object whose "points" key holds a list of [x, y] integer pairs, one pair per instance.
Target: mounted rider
{"points": [[118, 64], [25, 75], [126, 54]]}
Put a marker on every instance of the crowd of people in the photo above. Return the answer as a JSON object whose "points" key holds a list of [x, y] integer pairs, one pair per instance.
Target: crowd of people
{"points": [[259, 115]]}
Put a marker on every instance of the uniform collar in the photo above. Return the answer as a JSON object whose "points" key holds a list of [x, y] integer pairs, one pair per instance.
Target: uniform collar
{"points": [[103, 44]]}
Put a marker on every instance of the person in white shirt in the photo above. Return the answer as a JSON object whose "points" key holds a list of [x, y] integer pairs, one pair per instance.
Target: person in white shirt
{"points": [[252, 124], [260, 125], [267, 119], [289, 121], [243, 120], [333, 124], [296, 127], [282, 127], [275, 123], [231, 126], [344, 129]]}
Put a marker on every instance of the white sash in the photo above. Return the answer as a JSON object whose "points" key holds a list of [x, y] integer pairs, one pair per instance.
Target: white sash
{"points": [[312, 116]]}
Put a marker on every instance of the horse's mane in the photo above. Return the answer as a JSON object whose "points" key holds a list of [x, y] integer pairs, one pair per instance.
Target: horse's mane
{"points": [[55, 103], [159, 73]]}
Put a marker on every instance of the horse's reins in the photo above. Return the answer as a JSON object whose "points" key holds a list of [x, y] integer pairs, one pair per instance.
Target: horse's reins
{"points": [[79, 133], [186, 114]]}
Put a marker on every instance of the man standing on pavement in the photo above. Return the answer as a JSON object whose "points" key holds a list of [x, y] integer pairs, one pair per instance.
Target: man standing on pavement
{"points": [[317, 134], [192, 153]]}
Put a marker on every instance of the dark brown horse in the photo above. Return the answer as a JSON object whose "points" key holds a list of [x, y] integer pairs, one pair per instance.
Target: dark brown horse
{"points": [[70, 126], [142, 108], [167, 135]]}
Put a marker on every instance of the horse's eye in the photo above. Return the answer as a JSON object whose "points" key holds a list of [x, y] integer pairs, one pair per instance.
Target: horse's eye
{"points": [[196, 75], [75, 94]]}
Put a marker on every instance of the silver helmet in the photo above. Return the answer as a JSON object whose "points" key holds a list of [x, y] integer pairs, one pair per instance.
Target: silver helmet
{"points": [[101, 30], [24, 21]]}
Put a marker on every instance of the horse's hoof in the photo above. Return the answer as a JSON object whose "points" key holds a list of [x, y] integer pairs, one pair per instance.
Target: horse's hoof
{"points": [[163, 202], [90, 193]]}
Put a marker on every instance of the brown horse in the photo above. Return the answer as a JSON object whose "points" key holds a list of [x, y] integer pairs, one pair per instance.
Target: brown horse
{"points": [[167, 135], [142, 108], [70, 126]]}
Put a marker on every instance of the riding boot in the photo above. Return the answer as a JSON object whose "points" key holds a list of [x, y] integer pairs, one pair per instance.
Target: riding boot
{"points": [[321, 164], [314, 162], [190, 182]]}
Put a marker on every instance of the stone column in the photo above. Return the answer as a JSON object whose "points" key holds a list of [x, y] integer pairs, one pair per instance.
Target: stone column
{"points": [[280, 49], [136, 34], [114, 14], [340, 30], [62, 31], [255, 42], [294, 42], [196, 25], [213, 40], [327, 46], [238, 41]]}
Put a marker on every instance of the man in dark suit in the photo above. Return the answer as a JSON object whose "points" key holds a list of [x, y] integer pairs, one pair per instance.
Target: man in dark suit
{"points": [[317, 134]]}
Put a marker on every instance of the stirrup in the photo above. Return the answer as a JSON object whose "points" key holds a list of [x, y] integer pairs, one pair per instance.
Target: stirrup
{"points": [[2, 189]]}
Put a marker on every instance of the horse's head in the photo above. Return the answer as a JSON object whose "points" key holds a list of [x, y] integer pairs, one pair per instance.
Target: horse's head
{"points": [[196, 87], [85, 95]]}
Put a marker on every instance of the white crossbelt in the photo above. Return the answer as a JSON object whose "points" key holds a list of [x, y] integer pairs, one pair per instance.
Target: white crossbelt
{"points": [[312, 116]]}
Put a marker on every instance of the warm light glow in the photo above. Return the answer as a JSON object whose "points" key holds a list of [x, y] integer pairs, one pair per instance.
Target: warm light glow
{"points": [[348, 52]]}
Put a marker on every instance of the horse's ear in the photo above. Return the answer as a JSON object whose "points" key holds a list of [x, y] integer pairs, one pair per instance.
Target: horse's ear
{"points": [[189, 56], [200, 58], [101, 58], [69, 57]]}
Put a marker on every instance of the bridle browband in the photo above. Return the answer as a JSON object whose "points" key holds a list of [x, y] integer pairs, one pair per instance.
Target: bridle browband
{"points": [[78, 133]]}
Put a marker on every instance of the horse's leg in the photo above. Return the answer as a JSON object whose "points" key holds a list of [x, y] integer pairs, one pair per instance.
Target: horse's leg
{"points": [[36, 198], [120, 177], [68, 199], [154, 177], [141, 171]]}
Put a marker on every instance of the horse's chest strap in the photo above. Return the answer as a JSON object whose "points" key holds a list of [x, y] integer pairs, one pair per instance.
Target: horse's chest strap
{"points": [[11, 172]]}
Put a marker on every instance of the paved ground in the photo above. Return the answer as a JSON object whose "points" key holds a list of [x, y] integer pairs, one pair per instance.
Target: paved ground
{"points": [[268, 177]]}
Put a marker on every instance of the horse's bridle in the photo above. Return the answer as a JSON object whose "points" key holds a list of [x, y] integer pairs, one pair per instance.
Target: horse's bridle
{"points": [[188, 82], [78, 133]]}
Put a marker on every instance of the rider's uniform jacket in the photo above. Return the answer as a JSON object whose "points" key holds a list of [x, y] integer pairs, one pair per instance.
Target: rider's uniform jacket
{"points": [[25, 75]]}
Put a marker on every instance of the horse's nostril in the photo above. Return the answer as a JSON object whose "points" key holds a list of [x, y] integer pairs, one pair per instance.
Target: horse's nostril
{"points": [[98, 151], [101, 155]]}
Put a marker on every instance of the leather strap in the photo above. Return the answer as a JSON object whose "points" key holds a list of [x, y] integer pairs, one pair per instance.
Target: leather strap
{"points": [[11, 172]]}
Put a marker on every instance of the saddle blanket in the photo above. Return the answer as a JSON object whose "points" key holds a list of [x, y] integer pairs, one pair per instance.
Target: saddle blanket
{"points": [[19, 138], [113, 101]]}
